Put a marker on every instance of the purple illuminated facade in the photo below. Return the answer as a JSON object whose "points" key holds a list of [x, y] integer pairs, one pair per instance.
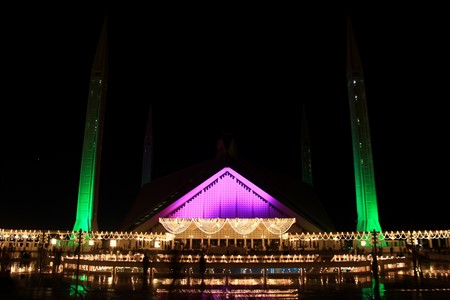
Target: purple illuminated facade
{"points": [[227, 195], [218, 189]]}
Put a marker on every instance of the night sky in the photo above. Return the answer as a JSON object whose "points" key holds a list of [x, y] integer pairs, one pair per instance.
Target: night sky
{"points": [[248, 74]]}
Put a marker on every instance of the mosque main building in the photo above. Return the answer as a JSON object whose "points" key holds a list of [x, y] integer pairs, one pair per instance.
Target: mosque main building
{"points": [[227, 201]]}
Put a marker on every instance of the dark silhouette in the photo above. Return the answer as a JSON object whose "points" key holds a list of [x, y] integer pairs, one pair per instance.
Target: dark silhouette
{"points": [[417, 262], [202, 270], [175, 267], [57, 261], [5, 260], [24, 259], [376, 279], [145, 264]]}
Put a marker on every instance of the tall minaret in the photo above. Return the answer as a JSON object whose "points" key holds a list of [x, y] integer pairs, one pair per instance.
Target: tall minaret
{"points": [[306, 151], [88, 189], [148, 150], [366, 197]]}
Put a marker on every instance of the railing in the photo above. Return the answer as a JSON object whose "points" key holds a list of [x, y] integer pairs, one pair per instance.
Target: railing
{"points": [[48, 235]]}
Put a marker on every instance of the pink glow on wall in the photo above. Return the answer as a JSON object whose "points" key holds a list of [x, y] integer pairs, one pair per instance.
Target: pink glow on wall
{"points": [[226, 195]]}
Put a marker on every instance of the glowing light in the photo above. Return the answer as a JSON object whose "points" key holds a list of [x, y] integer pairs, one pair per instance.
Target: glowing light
{"points": [[227, 194], [241, 226]]}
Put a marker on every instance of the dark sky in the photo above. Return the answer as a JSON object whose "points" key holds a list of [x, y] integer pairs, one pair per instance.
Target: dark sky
{"points": [[251, 74]]}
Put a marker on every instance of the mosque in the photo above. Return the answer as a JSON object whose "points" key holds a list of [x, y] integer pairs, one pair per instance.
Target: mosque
{"points": [[227, 201], [222, 204]]}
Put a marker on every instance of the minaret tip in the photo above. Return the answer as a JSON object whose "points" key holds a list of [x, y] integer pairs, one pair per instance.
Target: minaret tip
{"points": [[354, 67], [226, 146]]}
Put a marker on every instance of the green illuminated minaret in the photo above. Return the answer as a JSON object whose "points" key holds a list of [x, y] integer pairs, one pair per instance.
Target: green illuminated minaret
{"points": [[306, 151], [86, 219], [366, 197]]}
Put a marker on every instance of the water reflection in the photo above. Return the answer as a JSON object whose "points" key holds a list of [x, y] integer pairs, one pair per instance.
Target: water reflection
{"points": [[434, 284]]}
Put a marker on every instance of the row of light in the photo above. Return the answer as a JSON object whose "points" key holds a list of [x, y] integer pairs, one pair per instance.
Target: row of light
{"points": [[54, 241], [387, 235], [70, 235], [112, 243]]}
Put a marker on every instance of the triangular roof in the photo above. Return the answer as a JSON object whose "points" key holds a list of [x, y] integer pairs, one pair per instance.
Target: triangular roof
{"points": [[224, 188]]}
